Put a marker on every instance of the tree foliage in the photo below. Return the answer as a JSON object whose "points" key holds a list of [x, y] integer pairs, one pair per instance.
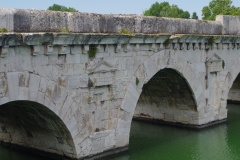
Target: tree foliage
{"points": [[56, 7], [194, 15], [164, 9], [219, 7]]}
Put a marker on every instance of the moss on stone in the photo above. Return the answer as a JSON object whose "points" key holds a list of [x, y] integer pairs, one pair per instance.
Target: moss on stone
{"points": [[167, 42], [211, 40], [223, 64], [2, 30], [137, 81], [92, 51], [125, 31], [65, 30]]}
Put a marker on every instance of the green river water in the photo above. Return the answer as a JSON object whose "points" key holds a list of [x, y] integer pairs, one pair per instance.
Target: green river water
{"points": [[156, 142]]}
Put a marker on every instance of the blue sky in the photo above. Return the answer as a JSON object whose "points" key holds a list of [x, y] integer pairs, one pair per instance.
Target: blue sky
{"points": [[108, 6]]}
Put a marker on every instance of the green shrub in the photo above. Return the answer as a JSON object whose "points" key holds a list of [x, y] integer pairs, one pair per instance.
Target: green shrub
{"points": [[137, 81], [3, 30], [211, 40], [92, 51], [223, 64], [167, 42]]}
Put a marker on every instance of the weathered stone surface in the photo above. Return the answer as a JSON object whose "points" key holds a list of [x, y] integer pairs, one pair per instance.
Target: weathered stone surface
{"points": [[3, 85], [19, 20], [230, 24], [6, 16]]}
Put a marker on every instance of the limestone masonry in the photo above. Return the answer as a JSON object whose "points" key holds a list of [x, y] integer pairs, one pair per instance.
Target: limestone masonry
{"points": [[74, 94], [19, 20]]}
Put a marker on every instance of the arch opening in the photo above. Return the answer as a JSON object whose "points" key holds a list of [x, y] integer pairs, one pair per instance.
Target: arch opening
{"points": [[32, 126], [167, 97], [234, 92]]}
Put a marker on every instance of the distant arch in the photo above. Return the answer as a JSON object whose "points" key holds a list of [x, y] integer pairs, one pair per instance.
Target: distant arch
{"points": [[230, 78]]}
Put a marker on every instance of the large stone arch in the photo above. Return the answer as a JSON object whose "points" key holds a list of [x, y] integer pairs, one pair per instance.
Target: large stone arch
{"points": [[40, 95], [168, 97], [150, 67], [228, 80], [32, 126]]}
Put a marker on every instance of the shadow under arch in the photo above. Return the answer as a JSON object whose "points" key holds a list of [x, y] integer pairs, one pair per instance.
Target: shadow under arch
{"points": [[231, 79], [167, 96], [35, 127], [234, 91]]}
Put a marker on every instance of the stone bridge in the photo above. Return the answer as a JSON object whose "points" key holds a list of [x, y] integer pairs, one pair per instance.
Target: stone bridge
{"points": [[71, 83]]}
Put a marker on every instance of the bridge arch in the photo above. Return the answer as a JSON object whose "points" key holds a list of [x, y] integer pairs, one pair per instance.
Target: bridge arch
{"points": [[158, 65], [230, 87], [230, 78], [32, 117]]}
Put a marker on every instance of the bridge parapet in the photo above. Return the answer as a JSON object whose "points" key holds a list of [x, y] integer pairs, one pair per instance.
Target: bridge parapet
{"points": [[19, 20]]}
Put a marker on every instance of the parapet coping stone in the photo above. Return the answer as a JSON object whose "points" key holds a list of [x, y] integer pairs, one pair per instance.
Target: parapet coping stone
{"points": [[25, 21]]}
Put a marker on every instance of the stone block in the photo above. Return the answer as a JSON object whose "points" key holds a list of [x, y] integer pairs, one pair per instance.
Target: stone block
{"points": [[98, 146], [23, 93], [47, 21], [84, 80], [46, 101], [72, 82], [128, 106], [66, 106], [22, 20], [71, 125], [110, 140], [123, 126], [83, 58], [168, 25], [230, 24], [40, 97], [13, 82], [94, 23], [122, 140], [33, 86], [146, 25], [6, 16], [4, 100], [114, 23]]}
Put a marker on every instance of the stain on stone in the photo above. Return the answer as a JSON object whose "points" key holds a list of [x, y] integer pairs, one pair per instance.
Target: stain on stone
{"points": [[3, 85]]}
